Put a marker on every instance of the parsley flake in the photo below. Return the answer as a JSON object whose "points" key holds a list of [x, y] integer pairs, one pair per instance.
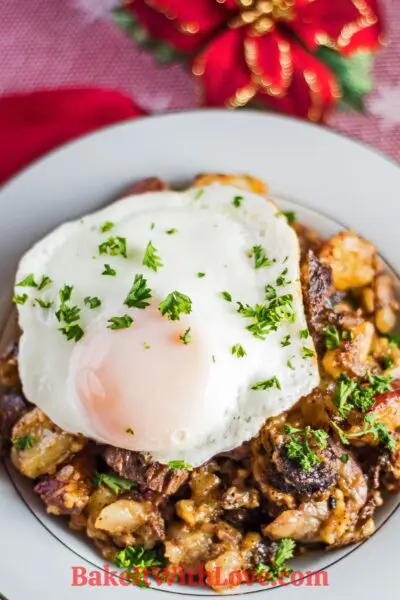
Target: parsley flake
{"points": [[72, 332], [29, 281], [139, 293], [281, 280], [106, 226], [290, 364], [238, 350], [174, 305], [20, 298], [284, 552], [92, 302], [286, 341], [151, 258], [108, 270], [65, 293], [267, 317], [199, 194], [114, 246], [171, 231], [24, 442], [332, 337], [273, 382], [130, 431], [136, 560], [186, 336], [115, 483], [237, 201], [307, 352], [289, 215], [304, 334], [44, 282], [179, 464], [376, 429], [298, 446], [226, 296], [200, 275], [120, 322], [42, 303], [260, 257]]}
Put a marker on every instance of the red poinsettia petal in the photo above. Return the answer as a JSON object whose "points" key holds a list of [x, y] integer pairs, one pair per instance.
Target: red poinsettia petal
{"points": [[346, 25], [192, 17], [223, 71], [270, 61], [160, 27], [313, 90]]}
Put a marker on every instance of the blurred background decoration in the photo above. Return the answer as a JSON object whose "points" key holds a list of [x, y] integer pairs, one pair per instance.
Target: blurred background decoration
{"points": [[300, 57]]}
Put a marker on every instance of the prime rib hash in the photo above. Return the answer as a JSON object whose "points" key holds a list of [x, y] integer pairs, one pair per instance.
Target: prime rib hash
{"points": [[314, 475]]}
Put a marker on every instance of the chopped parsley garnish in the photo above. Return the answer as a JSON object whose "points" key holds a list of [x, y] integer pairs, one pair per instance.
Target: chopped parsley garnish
{"points": [[136, 559], [114, 246], [152, 225], [68, 314], [237, 201], [273, 382], [72, 332], [267, 317], [281, 280], [260, 257], [307, 352], [115, 483], [332, 337], [304, 334], [347, 335], [171, 231], [213, 358], [139, 293], [226, 296], [174, 305], [200, 274], [20, 298], [146, 346], [92, 302], [44, 282], [286, 341], [284, 552], [120, 322], [199, 194], [270, 292], [24, 442], [108, 270], [179, 464], [238, 350], [350, 393], [65, 293], [386, 362], [186, 336], [378, 430], [298, 446], [290, 365], [290, 216], [130, 431], [29, 281], [151, 259], [107, 226], [344, 458], [42, 303], [394, 339]]}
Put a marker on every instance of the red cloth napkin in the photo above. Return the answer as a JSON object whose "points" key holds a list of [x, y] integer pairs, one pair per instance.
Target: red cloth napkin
{"points": [[34, 123]]}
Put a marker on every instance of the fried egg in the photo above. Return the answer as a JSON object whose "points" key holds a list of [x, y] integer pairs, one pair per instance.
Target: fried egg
{"points": [[169, 322]]}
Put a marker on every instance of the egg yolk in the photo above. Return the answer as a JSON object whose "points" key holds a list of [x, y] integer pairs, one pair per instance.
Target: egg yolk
{"points": [[143, 388]]}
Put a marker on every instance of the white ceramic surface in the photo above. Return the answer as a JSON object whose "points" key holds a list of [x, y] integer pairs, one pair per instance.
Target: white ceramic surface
{"points": [[311, 170]]}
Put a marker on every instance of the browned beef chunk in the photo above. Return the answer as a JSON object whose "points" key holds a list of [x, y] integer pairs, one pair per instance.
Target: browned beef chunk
{"points": [[12, 407], [68, 491], [9, 376], [148, 475], [317, 290]]}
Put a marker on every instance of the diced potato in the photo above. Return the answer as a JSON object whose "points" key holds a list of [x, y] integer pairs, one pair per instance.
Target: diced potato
{"points": [[48, 445], [352, 259]]}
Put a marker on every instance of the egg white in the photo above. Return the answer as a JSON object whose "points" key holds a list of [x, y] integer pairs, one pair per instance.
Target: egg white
{"points": [[213, 237]]}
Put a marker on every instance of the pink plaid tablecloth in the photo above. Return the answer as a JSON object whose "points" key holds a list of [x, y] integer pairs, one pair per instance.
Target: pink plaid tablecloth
{"points": [[48, 43]]}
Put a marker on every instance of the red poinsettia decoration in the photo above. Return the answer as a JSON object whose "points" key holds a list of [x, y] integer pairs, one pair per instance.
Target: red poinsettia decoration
{"points": [[296, 56]]}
